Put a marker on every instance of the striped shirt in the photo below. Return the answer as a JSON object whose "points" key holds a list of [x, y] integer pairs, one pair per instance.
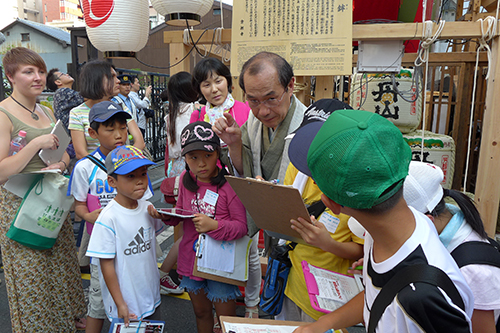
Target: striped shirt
{"points": [[79, 121]]}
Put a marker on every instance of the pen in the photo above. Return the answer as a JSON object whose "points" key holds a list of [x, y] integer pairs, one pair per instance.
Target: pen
{"points": [[360, 267], [331, 330]]}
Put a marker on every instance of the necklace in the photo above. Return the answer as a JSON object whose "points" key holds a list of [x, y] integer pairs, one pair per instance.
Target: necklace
{"points": [[33, 114]]}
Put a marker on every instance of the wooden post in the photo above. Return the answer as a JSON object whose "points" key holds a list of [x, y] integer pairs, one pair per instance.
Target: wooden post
{"points": [[488, 180], [301, 94], [461, 122], [237, 92], [177, 52], [324, 87]]}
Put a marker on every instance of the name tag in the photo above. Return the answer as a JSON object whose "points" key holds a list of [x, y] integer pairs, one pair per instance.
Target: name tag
{"points": [[331, 222], [211, 198]]}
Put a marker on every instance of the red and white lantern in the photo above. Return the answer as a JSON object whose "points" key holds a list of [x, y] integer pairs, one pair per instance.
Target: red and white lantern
{"points": [[119, 28], [176, 12]]}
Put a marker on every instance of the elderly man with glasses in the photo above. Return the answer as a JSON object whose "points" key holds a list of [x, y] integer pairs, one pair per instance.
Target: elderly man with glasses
{"points": [[259, 148]]}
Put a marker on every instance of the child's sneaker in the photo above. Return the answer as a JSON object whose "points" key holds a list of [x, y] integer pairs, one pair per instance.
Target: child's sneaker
{"points": [[168, 286]]}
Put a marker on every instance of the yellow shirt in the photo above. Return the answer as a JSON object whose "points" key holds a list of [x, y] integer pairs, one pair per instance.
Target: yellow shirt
{"points": [[296, 288]]}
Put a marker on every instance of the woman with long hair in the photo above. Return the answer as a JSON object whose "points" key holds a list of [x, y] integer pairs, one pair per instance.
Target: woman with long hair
{"points": [[182, 99], [43, 286]]}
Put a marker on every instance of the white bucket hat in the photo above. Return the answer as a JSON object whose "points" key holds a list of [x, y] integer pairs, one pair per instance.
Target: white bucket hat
{"points": [[422, 187]]}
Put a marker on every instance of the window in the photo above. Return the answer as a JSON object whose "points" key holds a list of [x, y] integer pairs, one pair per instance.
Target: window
{"points": [[7, 33], [25, 37], [216, 11], [45, 7]]}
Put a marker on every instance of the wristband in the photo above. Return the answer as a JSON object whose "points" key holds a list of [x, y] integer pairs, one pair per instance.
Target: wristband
{"points": [[65, 165]]}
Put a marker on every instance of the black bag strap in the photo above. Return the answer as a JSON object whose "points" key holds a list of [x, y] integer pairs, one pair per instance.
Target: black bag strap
{"points": [[475, 252], [97, 162], [316, 209], [415, 273]]}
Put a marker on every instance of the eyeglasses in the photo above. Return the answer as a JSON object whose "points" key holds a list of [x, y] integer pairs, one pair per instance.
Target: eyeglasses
{"points": [[270, 102], [59, 76]]}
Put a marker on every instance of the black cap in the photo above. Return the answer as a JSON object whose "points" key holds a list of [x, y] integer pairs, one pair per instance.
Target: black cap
{"points": [[125, 78], [199, 136]]}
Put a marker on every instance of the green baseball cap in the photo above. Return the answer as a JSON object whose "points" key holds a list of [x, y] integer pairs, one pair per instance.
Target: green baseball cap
{"points": [[359, 159]]}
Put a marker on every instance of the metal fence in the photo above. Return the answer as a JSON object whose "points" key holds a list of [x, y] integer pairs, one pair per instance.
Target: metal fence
{"points": [[156, 135], [5, 88]]}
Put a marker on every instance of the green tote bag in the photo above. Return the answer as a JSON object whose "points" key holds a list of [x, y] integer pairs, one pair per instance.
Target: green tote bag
{"points": [[43, 210]]}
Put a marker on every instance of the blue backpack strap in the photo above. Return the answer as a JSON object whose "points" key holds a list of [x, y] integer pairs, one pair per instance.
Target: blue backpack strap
{"points": [[98, 163]]}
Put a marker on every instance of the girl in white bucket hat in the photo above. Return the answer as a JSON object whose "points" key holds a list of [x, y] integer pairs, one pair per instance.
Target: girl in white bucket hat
{"points": [[456, 226]]}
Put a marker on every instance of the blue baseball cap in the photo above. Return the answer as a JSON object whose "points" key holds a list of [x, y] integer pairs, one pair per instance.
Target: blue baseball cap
{"points": [[102, 111], [125, 159]]}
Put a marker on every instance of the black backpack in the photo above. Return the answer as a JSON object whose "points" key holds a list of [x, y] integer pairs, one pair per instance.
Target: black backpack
{"points": [[465, 254], [479, 253]]}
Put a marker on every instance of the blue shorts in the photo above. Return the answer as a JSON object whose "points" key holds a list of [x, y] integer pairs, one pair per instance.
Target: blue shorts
{"points": [[216, 291]]}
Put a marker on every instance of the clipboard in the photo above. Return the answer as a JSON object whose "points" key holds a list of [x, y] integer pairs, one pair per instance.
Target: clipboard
{"points": [[239, 276], [272, 206], [344, 286], [118, 326], [257, 321], [265, 323], [177, 212], [51, 156]]}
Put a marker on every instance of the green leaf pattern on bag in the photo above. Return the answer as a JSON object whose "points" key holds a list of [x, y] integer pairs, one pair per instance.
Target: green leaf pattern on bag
{"points": [[42, 212]]}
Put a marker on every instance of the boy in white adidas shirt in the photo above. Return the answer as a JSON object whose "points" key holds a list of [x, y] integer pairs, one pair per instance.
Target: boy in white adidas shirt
{"points": [[108, 124], [124, 241]]}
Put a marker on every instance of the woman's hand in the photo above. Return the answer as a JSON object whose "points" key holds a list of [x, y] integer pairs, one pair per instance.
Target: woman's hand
{"points": [[203, 223], [46, 141]]}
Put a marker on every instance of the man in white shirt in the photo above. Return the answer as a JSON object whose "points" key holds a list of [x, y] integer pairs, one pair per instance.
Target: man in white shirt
{"points": [[140, 104]]}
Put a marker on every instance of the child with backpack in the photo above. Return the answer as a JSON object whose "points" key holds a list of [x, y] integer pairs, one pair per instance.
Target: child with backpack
{"points": [[89, 186], [459, 227], [359, 160], [218, 213]]}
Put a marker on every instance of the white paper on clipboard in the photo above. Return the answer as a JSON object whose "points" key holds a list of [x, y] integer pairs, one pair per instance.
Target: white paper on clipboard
{"points": [[51, 156], [177, 212]]}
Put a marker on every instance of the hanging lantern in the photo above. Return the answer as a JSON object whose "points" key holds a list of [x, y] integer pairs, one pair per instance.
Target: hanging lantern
{"points": [[176, 12], [118, 28]]}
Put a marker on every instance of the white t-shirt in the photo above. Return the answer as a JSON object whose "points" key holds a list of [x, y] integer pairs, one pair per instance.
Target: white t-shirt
{"points": [[128, 237], [419, 307]]}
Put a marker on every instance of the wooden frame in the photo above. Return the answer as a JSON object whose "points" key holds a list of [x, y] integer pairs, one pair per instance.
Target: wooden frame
{"points": [[487, 195]]}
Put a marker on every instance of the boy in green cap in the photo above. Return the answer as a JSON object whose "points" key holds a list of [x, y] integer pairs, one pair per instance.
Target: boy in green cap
{"points": [[359, 160]]}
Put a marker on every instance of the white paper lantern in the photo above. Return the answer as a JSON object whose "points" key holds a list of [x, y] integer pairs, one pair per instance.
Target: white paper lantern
{"points": [[119, 28], [176, 12]]}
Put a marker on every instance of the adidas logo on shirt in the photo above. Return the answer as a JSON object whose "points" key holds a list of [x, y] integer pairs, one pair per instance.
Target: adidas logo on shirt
{"points": [[138, 244]]}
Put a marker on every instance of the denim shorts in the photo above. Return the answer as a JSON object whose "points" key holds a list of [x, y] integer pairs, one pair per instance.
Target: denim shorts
{"points": [[216, 291]]}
